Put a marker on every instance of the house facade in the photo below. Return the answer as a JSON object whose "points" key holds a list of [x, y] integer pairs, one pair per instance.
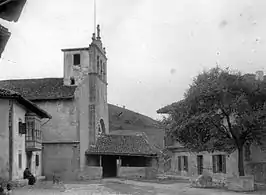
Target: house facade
{"points": [[218, 164], [21, 135], [78, 105]]}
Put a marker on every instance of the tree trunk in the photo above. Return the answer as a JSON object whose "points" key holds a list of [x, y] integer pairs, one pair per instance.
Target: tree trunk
{"points": [[241, 170]]}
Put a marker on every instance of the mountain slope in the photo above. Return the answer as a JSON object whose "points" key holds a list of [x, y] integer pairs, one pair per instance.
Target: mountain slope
{"points": [[126, 122], [124, 119]]}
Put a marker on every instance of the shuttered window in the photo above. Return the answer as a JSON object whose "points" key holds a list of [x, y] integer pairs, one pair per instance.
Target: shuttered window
{"points": [[223, 163], [37, 160], [179, 163], [182, 163], [219, 163], [200, 164], [185, 163], [214, 163]]}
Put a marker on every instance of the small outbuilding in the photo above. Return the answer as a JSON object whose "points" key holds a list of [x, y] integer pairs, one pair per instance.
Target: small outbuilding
{"points": [[122, 156]]}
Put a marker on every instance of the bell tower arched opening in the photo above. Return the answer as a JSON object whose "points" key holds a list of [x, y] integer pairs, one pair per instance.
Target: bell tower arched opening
{"points": [[102, 126]]}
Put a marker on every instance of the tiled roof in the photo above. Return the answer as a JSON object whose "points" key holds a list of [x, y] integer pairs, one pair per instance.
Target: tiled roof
{"points": [[9, 94], [40, 89], [133, 145]]}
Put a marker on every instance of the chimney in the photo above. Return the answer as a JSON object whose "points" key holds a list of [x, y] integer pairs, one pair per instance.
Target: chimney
{"points": [[259, 75]]}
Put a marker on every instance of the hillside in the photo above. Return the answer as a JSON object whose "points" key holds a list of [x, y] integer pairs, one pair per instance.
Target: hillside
{"points": [[124, 121]]}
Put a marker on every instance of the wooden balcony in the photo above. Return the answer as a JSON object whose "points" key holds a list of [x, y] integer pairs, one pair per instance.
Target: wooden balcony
{"points": [[33, 140], [33, 145], [33, 133]]}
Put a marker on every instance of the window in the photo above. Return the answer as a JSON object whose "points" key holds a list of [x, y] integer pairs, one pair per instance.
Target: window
{"points": [[72, 81], [21, 127], [98, 64], [37, 160], [185, 163], [200, 164], [182, 163], [33, 128], [20, 159], [219, 163], [101, 66], [76, 59], [104, 68]]}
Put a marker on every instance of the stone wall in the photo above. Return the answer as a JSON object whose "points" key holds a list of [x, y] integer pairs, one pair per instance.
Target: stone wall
{"points": [[64, 123], [101, 105], [90, 172], [78, 72], [258, 170], [87, 96], [240, 184], [151, 172], [61, 160], [132, 172]]}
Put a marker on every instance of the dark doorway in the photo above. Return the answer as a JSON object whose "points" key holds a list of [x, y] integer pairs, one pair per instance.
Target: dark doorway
{"points": [[200, 164], [29, 158], [109, 166]]}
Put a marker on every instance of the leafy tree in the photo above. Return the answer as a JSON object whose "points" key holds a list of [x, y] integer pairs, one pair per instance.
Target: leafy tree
{"points": [[221, 111]]}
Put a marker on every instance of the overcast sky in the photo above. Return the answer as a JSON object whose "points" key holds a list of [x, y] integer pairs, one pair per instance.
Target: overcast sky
{"points": [[154, 47]]}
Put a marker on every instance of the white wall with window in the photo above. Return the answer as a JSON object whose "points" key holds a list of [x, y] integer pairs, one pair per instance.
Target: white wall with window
{"points": [[193, 164], [19, 149]]}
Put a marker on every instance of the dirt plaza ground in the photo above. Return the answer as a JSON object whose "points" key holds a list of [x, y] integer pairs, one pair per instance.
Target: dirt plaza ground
{"points": [[121, 187]]}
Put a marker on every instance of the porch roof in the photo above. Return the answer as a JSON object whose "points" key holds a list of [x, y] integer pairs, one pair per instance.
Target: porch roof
{"points": [[123, 145]]}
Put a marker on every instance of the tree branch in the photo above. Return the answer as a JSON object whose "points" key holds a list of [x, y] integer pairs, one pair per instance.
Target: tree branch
{"points": [[229, 125], [220, 129]]}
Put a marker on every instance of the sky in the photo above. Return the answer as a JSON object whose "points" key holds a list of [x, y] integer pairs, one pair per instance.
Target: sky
{"points": [[155, 48]]}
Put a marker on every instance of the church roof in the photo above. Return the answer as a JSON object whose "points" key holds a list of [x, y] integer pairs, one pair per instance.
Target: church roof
{"points": [[40, 89], [9, 94], [132, 145]]}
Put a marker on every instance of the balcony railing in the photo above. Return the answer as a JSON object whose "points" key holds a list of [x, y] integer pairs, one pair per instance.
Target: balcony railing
{"points": [[33, 145], [34, 141]]}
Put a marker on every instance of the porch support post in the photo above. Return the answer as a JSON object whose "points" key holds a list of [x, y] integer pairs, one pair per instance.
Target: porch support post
{"points": [[100, 160]]}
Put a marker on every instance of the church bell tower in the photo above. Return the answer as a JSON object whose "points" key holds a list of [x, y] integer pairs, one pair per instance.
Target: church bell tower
{"points": [[88, 66]]}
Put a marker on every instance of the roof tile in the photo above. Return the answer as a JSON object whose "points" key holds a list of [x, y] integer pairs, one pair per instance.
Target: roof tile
{"points": [[122, 145], [40, 89]]}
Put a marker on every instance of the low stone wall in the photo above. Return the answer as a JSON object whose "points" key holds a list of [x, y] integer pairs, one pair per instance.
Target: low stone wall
{"points": [[90, 172], [258, 170], [132, 172], [151, 173], [240, 184], [40, 178]]}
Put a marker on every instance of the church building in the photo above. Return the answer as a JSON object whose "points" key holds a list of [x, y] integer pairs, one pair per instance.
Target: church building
{"points": [[76, 140]]}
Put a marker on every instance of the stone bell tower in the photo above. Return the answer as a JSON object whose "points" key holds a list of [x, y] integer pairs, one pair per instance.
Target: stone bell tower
{"points": [[86, 68], [98, 106]]}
